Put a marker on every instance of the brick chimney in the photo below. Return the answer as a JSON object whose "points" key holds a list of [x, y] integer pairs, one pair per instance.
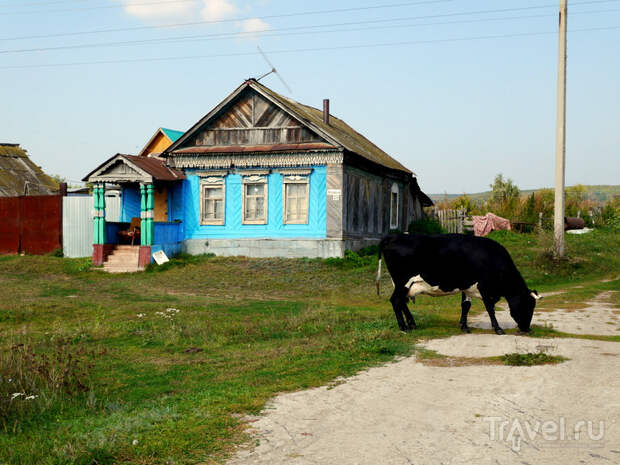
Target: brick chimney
{"points": [[326, 111]]}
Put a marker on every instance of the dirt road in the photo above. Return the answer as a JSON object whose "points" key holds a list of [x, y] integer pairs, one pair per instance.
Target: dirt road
{"points": [[411, 413]]}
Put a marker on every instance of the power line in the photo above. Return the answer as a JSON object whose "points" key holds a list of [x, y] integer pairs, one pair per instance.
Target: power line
{"points": [[317, 49], [121, 5], [101, 7], [282, 31], [287, 15]]}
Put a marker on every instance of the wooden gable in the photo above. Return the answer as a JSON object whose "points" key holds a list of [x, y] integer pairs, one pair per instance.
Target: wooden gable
{"points": [[157, 144], [250, 119]]}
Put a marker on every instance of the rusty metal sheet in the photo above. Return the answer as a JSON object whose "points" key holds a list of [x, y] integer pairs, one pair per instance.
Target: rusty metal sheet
{"points": [[41, 224], [9, 225]]}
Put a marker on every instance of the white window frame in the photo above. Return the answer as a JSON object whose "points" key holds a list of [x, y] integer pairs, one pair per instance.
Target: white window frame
{"points": [[394, 190], [212, 182], [288, 180], [251, 179]]}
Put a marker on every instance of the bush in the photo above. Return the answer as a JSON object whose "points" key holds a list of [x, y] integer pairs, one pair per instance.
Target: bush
{"points": [[354, 260], [425, 225]]}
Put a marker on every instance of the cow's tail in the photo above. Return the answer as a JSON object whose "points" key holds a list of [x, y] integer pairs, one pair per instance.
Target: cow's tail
{"points": [[378, 280]]}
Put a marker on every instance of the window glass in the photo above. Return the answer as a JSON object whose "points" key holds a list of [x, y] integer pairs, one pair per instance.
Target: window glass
{"points": [[394, 208], [213, 204], [254, 202], [296, 196]]}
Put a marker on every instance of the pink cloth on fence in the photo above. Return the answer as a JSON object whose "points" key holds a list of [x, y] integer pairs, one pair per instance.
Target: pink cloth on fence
{"points": [[483, 225]]}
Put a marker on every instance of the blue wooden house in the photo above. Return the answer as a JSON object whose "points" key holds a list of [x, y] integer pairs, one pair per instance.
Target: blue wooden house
{"points": [[260, 175]]}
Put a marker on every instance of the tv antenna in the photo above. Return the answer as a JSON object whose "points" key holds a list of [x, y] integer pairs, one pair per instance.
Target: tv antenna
{"points": [[273, 70]]}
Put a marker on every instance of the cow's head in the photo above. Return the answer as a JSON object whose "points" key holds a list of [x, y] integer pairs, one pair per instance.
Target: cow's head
{"points": [[522, 308]]}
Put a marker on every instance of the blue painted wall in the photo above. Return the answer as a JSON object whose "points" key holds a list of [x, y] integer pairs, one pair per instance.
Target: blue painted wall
{"points": [[188, 209], [130, 203]]}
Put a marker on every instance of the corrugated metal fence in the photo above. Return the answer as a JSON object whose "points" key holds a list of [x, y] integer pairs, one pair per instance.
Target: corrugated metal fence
{"points": [[77, 223]]}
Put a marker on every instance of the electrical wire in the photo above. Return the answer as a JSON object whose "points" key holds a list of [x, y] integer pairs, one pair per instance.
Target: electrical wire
{"points": [[288, 15], [283, 32], [303, 50], [124, 5]]}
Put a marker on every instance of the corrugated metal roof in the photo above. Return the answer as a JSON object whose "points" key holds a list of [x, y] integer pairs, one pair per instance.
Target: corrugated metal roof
{"points": [[156, 167], [19, 175], [153, 167], [172, 134]]}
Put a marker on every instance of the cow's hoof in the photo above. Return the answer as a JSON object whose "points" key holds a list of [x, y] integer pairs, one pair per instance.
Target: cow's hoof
{"points": [[499, 331], [466, 329]]}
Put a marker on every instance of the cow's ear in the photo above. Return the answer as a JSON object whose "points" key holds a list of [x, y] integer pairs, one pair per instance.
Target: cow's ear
{"points": [[534, 293]]}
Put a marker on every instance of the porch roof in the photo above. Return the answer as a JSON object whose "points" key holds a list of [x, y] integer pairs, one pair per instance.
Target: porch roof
{"points": [[131, 168]]}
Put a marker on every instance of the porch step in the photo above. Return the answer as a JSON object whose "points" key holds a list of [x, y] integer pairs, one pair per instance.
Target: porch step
{"points": [[123, 259]]}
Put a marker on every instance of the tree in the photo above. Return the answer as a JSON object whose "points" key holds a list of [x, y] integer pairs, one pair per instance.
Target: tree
{"points": [[503, 190]]}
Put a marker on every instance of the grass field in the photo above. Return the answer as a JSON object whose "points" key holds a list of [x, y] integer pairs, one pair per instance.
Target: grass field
{"points": [[158, 367]]}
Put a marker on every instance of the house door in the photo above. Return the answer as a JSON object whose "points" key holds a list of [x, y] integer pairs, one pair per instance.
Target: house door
{"points": [[161, 204]]}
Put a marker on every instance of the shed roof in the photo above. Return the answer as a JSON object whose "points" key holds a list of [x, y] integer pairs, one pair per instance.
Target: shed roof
{"points": [[20, 176]]}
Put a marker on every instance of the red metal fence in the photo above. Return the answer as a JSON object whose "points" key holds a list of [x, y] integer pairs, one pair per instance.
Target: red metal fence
{"points": [[30, 224]]}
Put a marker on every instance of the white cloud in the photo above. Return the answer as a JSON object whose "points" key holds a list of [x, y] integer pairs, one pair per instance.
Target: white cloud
{"points": [[176, 9], [253, 27], [215, 10]]}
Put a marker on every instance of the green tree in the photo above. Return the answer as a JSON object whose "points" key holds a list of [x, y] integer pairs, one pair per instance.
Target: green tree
{"points": [[503, 190]]}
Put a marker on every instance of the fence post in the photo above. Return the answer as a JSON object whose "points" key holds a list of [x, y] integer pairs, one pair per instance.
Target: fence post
{"points": [[540, 215], [461, 218]]}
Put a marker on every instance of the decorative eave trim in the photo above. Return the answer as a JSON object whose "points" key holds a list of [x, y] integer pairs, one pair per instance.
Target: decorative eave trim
{"points": [[258, 160], [140, 176]]}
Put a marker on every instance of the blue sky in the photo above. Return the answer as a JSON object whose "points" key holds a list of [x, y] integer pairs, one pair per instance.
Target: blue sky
{"points": [[457, 90]]}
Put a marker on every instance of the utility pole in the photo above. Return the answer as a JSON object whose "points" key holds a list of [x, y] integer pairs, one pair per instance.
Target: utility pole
{"points": [[560, 141]]}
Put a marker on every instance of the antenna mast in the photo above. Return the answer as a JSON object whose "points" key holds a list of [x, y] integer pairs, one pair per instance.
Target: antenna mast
{"points": [[273, 70]]}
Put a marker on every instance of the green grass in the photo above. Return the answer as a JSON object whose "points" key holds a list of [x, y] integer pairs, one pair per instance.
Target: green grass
{"points": [[245, 330], [531, 359]]}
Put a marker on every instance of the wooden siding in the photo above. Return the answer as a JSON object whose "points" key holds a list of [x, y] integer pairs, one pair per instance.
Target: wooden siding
{"points": [[334, 203], [158, 145], [252, 120], [160, 210], [366, 209]]}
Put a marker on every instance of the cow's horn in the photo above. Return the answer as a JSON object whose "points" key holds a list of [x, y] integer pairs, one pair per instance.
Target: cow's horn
{"points": [[535, 295]]}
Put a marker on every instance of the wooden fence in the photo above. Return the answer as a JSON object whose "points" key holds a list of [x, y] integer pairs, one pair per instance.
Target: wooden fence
{"points": [[453, 221]]}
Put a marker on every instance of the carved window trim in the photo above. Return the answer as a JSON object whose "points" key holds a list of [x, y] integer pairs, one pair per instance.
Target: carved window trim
{"points": [[295, 179], [250, 178], [394, 206], [212, 182]]}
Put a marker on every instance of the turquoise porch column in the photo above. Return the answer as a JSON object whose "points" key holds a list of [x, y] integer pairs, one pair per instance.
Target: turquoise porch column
{"points": [[147, 204], [99, 214], [150, 207]]}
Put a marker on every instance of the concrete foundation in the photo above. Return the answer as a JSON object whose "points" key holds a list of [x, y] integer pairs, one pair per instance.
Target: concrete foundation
{"points": [[286, 248]]}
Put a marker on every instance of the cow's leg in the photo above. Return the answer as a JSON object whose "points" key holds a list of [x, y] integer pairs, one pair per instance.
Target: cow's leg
{"points": [[399, 303], [408, 316], [490, 306], [465, 306]]}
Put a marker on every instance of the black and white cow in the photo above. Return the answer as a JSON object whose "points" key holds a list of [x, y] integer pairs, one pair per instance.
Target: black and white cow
{"points": [[447, 264]]}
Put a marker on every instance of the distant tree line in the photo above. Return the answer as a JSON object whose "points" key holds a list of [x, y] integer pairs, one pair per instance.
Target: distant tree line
{"points": [[507, 201]]}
